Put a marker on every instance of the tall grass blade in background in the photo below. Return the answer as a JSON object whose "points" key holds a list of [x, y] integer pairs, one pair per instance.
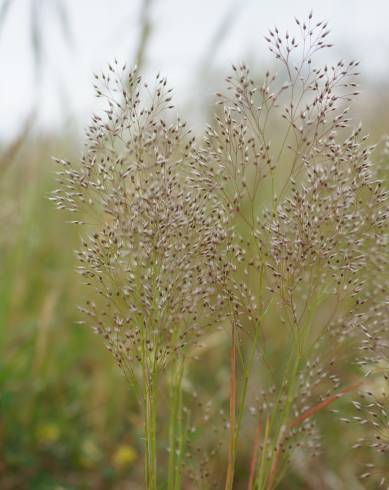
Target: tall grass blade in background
{"points": [[145, 33], [4, 9]]}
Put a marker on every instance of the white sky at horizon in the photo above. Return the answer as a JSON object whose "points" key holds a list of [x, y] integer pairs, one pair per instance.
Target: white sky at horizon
{"points": [[103, 30]]}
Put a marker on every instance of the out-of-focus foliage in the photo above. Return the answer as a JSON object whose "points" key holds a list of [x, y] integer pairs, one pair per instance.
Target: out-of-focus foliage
{"points": [[67, 417]]}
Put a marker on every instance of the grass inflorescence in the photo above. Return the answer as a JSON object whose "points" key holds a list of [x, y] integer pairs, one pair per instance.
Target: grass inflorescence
{"points": [[269, 233]]}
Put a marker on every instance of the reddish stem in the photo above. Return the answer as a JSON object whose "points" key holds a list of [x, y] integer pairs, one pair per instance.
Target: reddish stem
{"points": [[254, 456], [317, 408], [306, 415]]}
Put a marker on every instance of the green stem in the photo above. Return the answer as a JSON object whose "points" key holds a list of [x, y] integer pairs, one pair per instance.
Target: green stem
{"points": [[262, 466], [150, 402], [247, 372], [278, 421], [146, 428], [293, 382], [175, 427], [232, 445], [180, 432]]}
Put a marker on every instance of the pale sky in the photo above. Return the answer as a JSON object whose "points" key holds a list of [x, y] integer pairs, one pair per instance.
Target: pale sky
{"points": [[182, 32]]}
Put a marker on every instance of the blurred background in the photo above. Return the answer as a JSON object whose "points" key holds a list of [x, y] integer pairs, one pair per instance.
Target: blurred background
{"points": [[65, 413]]}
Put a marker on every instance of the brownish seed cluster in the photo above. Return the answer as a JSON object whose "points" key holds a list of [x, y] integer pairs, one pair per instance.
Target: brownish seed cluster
{"points": [[309, 213], [275, 223], [152, 248]]}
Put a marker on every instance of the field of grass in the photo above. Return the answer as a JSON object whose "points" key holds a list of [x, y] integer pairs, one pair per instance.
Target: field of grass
{"points": [[69, 419]]}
